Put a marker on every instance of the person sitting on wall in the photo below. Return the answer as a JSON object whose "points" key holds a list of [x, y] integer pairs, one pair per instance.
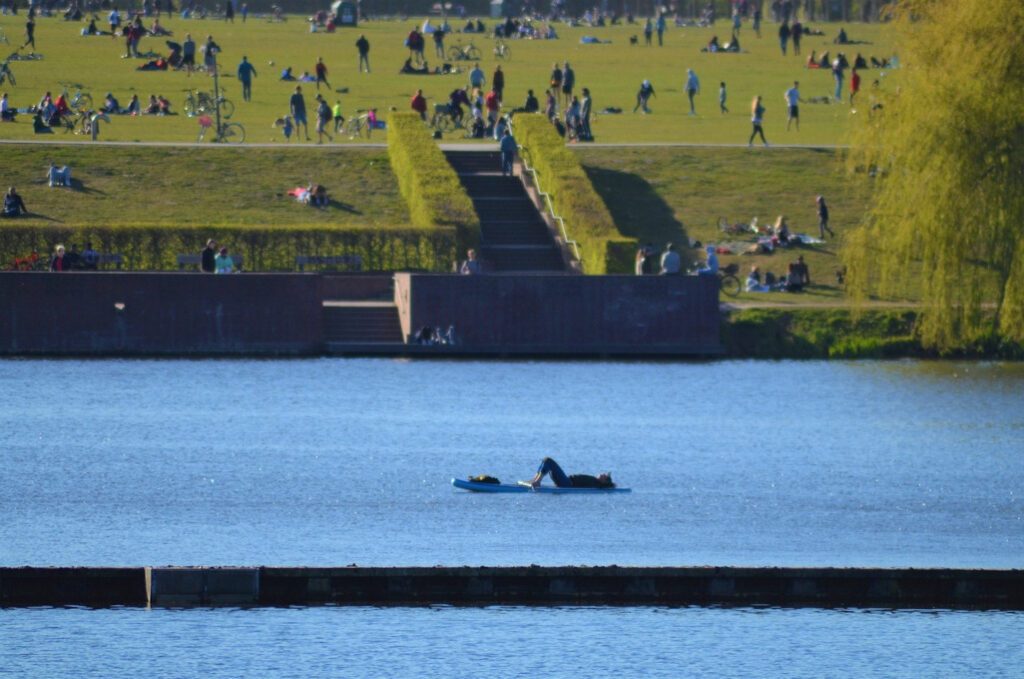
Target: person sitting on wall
{"points": [[562, 480], [472, 265]]}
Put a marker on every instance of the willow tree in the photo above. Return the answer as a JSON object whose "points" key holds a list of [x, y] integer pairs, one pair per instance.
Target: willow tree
{"points": [[947, 152]]}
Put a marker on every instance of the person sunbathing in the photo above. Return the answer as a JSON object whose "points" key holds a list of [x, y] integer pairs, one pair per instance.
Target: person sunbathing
{"points": [[562, 480]]}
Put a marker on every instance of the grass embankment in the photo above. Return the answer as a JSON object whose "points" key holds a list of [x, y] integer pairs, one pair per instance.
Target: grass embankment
{"points": [[151, 203], [658, 195], [613, 73], [842, 333], [587, 220]]}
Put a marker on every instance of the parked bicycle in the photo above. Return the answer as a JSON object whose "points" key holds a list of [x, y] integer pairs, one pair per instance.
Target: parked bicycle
{"points": [[6, 74], [363, 123], [502, 51], [468, 53], [198, 102], [77, 100], [227, 133], [445, 121]]}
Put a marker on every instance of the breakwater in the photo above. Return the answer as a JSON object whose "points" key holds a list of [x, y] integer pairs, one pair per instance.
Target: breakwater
{"points": [[514, 585]]}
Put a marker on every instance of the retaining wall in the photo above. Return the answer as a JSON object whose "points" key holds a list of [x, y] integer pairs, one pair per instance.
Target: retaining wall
{"points": [[159, 313], [520, 586], [565, 314]]}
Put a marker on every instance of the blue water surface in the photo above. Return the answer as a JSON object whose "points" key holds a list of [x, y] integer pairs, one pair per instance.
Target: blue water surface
{"points": [[339, 461]]}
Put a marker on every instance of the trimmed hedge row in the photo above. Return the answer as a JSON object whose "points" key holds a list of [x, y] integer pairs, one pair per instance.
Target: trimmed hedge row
{"points": [[587, 220], [264, 248], [432, 190]]}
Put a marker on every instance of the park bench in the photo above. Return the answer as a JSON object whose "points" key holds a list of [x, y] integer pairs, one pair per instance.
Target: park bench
{"points": [[349, 262], [195, 260], [107, 258]]}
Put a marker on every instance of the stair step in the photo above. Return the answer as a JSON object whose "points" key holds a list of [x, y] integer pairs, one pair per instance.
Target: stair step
{"points": [[366, 322]]}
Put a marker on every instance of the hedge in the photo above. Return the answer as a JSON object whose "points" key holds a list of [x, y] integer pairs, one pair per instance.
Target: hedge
{"points": [[432, 190], [265, 248], [587, 220]]}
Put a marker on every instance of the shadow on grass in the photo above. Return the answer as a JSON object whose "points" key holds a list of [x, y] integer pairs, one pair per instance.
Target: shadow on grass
{"points": [[636, 207]]}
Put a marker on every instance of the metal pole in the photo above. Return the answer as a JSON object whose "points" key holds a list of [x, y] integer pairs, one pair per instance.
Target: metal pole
{"points": [[216, 94]]}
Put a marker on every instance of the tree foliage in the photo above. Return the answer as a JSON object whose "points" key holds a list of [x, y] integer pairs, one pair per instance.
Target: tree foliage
{"points": [[947, 152]]}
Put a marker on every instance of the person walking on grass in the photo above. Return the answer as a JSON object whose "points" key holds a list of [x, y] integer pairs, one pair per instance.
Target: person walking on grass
{"points": [[363, 45], [823, 218], [721, 98], [339, 120], [783, 36], [321, 74], [756, 116], [692, 87], [30, 33], [323, 117], [188, 54], [793, 103], [297, 105], [246, 72]]}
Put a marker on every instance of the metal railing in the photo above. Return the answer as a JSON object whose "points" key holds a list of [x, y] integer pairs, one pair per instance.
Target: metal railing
{"points": [[551, 207]]}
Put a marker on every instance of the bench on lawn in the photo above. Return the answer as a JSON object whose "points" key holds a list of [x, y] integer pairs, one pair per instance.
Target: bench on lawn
{"points": [[108, 258], [350, 262], [195, 260]]}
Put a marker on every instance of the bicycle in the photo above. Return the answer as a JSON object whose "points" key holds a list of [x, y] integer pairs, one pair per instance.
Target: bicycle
{"points": [[227, 133], [467, 53], [502, 51], [444, 121], [359, 125], [7, 74], [727, 280], [77, 100], [197, 103]]}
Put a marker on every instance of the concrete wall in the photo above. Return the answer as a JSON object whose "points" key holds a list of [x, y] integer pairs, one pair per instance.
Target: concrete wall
{"points": [[159, 313], [565, 314], [523, 585]]}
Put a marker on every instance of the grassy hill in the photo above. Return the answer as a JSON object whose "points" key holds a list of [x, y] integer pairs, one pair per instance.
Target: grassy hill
{"points": [[612, 71]]}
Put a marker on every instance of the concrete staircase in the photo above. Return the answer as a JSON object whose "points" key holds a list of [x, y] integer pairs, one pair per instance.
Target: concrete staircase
{"points": [[361, 323], [513, 236]]}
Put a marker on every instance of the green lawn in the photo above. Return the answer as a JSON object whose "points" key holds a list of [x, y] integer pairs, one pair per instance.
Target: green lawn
{"points": [[143, 185], [676, 194], [612, 72]]}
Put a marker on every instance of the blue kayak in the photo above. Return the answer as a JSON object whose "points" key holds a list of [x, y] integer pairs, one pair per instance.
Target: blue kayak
{"points": [[524, 487]]}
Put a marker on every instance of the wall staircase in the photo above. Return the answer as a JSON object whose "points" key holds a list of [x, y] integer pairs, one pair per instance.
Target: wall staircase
{"points": [[513, 235]]}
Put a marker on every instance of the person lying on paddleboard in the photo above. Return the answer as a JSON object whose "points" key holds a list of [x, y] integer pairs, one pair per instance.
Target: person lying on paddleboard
{"points": [[549, 466]]}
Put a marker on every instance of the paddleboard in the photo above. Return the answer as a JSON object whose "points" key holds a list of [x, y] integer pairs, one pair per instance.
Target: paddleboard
{"points": [[524, 487]]}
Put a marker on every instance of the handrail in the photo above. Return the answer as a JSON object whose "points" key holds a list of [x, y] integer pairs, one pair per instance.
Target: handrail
{"points": [[551, 207]]}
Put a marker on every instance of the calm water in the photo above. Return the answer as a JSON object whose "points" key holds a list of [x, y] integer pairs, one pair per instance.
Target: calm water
{"points": [[332, 462], [509, 642]]}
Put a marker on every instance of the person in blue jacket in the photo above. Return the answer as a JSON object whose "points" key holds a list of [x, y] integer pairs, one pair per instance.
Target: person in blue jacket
{"points": [[509, 147]]}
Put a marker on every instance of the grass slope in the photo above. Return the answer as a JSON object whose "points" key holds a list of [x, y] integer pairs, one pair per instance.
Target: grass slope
{"points": [[675, 194], [135, 185], [613, 73]]}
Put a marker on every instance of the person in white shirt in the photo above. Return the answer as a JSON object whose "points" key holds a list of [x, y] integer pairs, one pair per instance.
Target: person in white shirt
{"points": [[670, 261], [793, 102]]}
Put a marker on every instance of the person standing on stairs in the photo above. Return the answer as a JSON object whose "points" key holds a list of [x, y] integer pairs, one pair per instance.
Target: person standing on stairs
{"points": [[509, 147]]}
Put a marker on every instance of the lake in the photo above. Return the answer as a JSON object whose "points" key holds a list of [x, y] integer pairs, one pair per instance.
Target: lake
{"points": [[340, 461]]}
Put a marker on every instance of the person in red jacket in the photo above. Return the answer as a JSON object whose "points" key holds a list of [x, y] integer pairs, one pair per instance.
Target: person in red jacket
{"points": [[419, 104], [854, 86], [321, 74], [492, 103]]}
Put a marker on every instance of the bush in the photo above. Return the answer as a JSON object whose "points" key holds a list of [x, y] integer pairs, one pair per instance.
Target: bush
{"points": [[264, 248], [432, 190], [587, 220]]}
